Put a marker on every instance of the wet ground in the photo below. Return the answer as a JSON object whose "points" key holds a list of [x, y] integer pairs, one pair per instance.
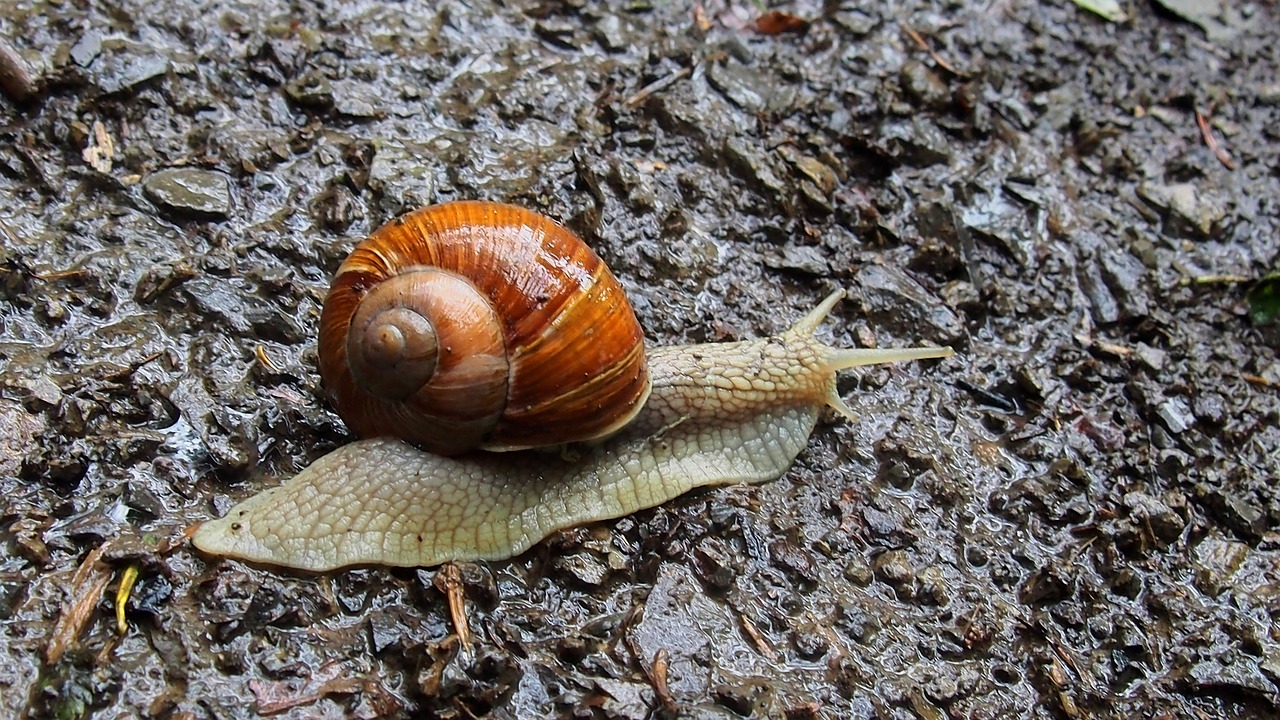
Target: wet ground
{"points": [[1076, 516]]}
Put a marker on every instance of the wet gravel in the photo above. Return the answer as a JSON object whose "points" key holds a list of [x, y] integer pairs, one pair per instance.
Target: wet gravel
{"points": [[1076, 516]]}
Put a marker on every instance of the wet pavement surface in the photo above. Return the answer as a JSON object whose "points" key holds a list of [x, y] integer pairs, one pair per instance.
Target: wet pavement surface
{"points": [[1075, 516]]}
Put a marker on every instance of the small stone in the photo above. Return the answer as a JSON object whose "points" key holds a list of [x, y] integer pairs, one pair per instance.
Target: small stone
{"points": [[42, 388], [586, 568], [87, 48], [609, 33], [750, 89], [21, 427], [1126, 583], [754, 166], [916, 142], [933, 586], [893, 299], [1187, 211], [712, 566], [1050, 584], [1153, 358], [357, 100], [1217, 561], [141, 499], [1269, 93], [311, 89], [1238, 513], [1271, 665], [557, 32], [1151, 512], [881, 523], [924, 86], [385, 630], [818, 172], [741, 697], [810, 644], [960, 294], [1220, 21], [858, 572], [794, 559], [1123, 274], [1005, 222], [121, 74], [402, 176], [894, 568], [1103, 305], [857, 22], [26, 534], [1210, 408], [857, 623], [1234, 673], [1175, 415], [805, 258], [191, 192]]}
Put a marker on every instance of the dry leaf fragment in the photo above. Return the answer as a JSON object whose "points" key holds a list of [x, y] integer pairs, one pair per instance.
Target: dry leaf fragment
{"points": [[1107, 9], [775, 22], [88, 584], [101, 149]]}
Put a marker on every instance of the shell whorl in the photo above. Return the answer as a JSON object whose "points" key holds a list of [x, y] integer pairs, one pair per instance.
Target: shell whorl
{"points": [[475, 324]]}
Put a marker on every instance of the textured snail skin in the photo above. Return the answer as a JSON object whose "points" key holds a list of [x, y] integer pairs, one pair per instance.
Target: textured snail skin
{"points": [[718, 413]]}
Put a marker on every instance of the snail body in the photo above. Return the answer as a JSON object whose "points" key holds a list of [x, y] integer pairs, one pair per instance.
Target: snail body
{"points": [[712, 414]]}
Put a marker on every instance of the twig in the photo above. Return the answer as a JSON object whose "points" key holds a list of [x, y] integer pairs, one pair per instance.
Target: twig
{"points": [[660, 84], [1212, 142], [657, 673], [60, 274], [1258, 380], [264, 360], [932, 53], [449, 581], [87, 586], [15, 74], [1219, 279], [756, 637], [1103, 346]]}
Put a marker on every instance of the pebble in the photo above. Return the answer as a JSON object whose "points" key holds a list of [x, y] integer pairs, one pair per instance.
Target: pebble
{"points": [[1050, 584], [355, 99], [1153, 513], [586, 568], [803, 258], [120, 74], [1175, 415], [87, 48], [750, 89], [893, 299], [1217, 561], [399, 174], [190, 192], [924, 86], [754, 166], [894, 568], [1187, 211], [609, 33]]}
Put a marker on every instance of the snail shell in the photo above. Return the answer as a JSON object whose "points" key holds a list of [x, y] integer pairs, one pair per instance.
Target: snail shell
{"points": [[480, 325]]}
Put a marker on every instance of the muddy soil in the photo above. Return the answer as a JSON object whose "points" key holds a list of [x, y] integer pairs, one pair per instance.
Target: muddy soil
{"points": [[1076, 516]]}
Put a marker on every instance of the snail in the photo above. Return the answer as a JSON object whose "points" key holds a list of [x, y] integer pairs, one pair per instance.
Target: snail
{"points": [[474, 327]]}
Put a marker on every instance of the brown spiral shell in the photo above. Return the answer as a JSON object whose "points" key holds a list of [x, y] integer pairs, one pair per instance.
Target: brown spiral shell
{"points": [[480, 325]]}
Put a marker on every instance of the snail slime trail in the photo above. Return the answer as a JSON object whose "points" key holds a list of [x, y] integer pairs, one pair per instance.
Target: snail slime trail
{"points": [[431, 483]]}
